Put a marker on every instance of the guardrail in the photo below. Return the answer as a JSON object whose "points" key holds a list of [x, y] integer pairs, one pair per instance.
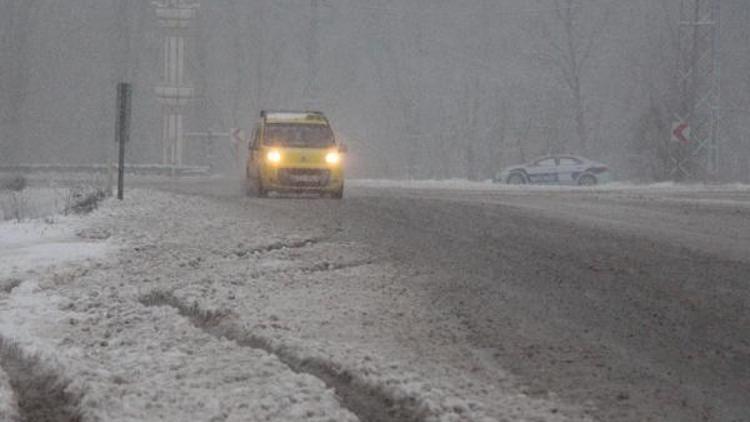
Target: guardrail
{"points": [[140, 169]]}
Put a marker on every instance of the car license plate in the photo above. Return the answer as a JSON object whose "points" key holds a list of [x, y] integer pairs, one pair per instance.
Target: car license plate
{"points": [[307, 178]]}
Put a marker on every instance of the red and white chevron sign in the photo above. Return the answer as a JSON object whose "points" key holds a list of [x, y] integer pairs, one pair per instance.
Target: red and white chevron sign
{"points": [[681, 132], [237, 137]]}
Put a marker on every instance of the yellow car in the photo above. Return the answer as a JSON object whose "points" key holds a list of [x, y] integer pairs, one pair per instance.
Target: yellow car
{"points": [[295, 152]]}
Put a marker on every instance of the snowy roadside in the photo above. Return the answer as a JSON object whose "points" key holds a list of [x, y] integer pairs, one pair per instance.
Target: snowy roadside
{"points": [[32, 246], [241, 269], [31, 249], [42, 200], [66, 310], [216, 310]]}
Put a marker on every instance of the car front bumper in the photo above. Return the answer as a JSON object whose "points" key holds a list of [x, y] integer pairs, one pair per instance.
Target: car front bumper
{"points": [[304, 180]]}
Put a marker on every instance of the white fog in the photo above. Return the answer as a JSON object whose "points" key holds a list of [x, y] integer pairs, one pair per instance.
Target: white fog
{"points": [[374, 210]]}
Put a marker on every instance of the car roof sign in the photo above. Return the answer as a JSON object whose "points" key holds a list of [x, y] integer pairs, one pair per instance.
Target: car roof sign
{"points": [[295, 117]]}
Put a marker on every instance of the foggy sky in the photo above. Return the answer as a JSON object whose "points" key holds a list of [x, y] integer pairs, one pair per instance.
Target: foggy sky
{"points": [[417, 88]]}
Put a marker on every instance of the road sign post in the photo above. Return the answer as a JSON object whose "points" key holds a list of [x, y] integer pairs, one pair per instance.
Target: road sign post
{"points": [[122, 133]]}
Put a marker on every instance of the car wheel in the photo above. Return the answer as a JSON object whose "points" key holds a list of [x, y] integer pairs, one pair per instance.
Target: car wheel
{"points": [[260, 190], [250, 188], [339, 194], [587, 180], [516, 179]]}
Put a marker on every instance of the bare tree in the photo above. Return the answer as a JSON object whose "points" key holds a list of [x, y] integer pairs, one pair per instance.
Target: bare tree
{"points": [[567, 34], [653, 64]]}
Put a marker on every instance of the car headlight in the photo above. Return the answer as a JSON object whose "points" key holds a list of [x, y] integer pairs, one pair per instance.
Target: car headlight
{"points": [[333, 157], [274, 157]]}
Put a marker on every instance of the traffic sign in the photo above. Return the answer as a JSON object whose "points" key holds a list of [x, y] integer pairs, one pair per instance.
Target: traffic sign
{"points": [[237, 137], [681, 132]]}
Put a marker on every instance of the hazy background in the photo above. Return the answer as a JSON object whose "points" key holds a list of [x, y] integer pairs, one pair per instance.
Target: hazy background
{"points": [[417, 88]]}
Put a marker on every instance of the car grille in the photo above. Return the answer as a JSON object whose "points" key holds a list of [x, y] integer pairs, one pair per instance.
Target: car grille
{"points": [[304, 177]]}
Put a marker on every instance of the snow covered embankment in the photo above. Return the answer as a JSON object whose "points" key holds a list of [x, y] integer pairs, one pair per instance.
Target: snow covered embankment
{"points": [[31, 385], [63, 317], [168, 259], [240, 270], [209, 319]]}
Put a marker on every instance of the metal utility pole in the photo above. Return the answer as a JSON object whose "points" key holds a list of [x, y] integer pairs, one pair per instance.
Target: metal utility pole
{"points": [[697, 122], [174, 92]]}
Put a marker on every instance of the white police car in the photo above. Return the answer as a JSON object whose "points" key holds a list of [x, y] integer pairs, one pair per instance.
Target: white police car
{"points": [[556, 170]]}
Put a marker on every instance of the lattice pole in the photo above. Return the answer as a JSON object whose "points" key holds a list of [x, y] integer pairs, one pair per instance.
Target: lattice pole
{"points": [[695, 151]]}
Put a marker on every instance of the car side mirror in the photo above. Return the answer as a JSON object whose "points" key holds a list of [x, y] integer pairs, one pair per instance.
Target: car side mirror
{"points": [[343, 149]]}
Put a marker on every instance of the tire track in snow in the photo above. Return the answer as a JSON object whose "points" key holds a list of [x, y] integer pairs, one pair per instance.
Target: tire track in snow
{"points": [[299, 244], [8, 403], [369, 402], [42, 393]]}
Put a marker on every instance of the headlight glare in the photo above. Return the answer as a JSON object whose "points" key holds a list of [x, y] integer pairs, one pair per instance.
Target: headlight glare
{"points": [[333, 157], [274, 157]]}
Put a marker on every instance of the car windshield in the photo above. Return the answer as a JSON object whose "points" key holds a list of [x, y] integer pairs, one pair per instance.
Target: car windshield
{"points": [[570, 161], [546, 162], [299, 135]]}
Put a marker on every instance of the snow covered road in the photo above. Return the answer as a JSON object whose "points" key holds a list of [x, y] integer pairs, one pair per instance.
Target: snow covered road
{"points": [[402, 302]]}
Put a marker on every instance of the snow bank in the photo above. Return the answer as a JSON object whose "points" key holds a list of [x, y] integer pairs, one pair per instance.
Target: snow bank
{"points": [[466, 185], [307, 320], [323, 307], [33, 245], [131, 362]]}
